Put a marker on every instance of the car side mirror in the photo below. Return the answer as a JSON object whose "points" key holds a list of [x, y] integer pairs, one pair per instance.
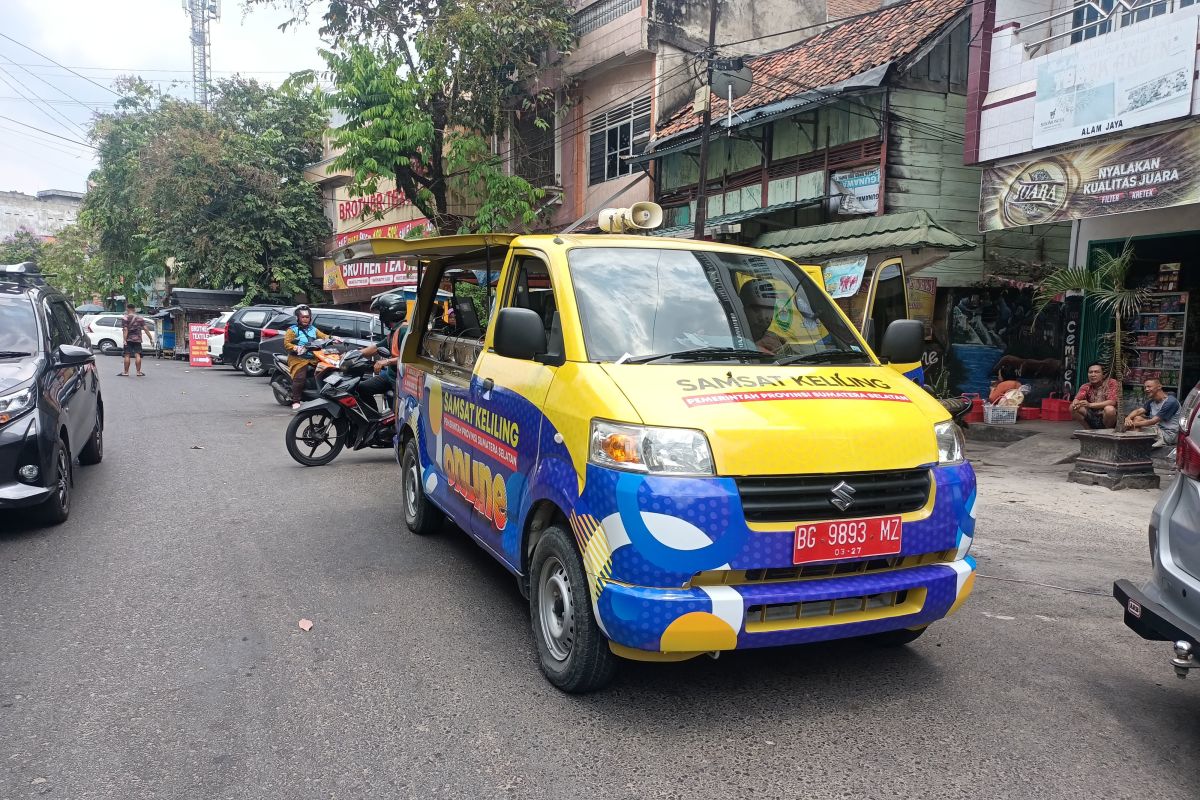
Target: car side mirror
{"points": [[519, 334], [903, 341], [68, 355]]}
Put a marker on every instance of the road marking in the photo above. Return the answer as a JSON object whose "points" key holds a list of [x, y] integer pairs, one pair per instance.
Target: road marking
{"points": [[997, 616]]}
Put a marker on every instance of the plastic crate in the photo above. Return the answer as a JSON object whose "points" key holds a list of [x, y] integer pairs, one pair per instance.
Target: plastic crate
{"points": [[1029, 412], [1056, 409], [1000, 415]]}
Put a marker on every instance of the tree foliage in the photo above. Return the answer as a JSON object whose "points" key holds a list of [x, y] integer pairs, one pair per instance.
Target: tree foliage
{"points": [[69, 258], [223, 192], [20, 246], [423, 87]]}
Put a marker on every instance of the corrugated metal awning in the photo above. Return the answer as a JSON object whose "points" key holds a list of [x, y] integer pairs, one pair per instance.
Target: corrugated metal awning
{"points": [[902, 231]]}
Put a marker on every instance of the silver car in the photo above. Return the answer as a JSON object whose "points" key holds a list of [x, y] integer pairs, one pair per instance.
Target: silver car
{"points": [[1167, 608]]}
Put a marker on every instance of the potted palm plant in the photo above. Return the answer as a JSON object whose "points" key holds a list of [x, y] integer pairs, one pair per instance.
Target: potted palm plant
{"points": [[1117, 459]]}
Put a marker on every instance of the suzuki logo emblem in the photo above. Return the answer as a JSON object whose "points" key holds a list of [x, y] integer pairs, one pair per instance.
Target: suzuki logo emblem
{"points": [[843, 496]]}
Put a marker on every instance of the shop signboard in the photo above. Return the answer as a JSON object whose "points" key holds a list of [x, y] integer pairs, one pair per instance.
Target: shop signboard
{"points": [[198, 355], [858, 190], [1157, 171], [393, 230], [844, 276], [338, 277], [1138, 76], [922, 296]]}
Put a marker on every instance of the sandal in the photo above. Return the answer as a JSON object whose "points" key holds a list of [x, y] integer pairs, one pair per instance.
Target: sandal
{"points": [[122, 374], [141, 374]]}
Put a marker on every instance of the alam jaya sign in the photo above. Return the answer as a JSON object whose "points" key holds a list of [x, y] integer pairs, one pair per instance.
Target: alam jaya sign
{"points": [[1132, 175]]}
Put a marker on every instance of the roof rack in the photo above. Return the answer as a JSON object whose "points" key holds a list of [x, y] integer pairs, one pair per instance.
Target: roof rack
{"points": [[26, 274]]}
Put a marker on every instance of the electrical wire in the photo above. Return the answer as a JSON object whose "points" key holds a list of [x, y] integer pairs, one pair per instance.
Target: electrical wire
{"points": [[52, 61], [48, 133], [48, 83], [48, 111]]}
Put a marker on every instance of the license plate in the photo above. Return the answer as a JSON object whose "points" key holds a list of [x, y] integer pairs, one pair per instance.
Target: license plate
{"points": [[847, 538]]}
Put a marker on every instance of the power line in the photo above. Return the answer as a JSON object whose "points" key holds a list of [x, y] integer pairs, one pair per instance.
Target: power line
{"points": [[63, 92], [47, 110], [48, 133], [52, 61]]}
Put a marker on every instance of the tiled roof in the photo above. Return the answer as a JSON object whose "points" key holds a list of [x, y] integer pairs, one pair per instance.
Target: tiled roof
{"points": [[831, 57]]}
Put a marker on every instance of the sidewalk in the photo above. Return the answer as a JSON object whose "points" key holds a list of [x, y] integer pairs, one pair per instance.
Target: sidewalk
{"points": [[1036, 446]]}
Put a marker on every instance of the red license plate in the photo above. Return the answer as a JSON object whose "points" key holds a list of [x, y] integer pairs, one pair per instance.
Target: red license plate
{"points": [[847, 538]]}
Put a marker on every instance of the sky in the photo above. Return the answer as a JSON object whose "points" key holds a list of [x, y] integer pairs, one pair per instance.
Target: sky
{"points": [[102, 40]]}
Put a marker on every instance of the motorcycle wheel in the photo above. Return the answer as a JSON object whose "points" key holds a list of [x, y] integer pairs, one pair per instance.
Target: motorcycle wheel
{"points": [[281, 390], [315, 437]]}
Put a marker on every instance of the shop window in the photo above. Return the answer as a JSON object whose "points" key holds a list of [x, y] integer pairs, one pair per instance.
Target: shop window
{"points": [[1086, 14], [1145, 11], [614, 137], [597, 15]]}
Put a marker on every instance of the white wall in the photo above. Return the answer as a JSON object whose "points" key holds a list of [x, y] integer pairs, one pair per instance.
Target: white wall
{"points": [[41, 216], [1180, 219]]}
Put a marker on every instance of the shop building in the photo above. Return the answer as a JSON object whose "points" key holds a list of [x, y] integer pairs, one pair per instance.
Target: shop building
{"points": [[1088, 115], [43, 215]]}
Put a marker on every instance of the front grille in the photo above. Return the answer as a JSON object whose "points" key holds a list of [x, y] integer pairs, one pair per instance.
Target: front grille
{"points": [[799, 498], [796, 612], [837, 569]]}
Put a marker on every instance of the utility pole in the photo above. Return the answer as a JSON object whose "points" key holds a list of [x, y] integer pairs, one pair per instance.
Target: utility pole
{"points": [[706, 123], [201, 13]]}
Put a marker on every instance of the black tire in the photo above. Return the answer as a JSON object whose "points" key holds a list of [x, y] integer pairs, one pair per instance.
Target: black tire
{"points": [[108, 347], [420, 516], [573, 653], [56, 508], [252, 365], [282, 392], [897, 638], [93, 451], [310, 430]]}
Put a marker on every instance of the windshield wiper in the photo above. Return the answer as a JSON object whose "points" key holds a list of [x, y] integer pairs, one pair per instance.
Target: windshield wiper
{"points": [[701, 353], [824, 357], [14, 354]]}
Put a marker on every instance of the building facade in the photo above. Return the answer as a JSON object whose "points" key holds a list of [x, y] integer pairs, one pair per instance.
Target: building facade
{"points": [[43, 215], [1087, 115]]}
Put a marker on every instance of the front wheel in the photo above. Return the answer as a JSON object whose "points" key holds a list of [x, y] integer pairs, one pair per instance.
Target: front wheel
{"points": [[315, 437], [420, 516], [55, 509], [573, 653], [281, 389], [93, 451], [252, 365]]}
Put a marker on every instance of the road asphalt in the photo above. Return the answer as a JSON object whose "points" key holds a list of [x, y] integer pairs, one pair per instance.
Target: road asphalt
{"points": [[150, 648]]}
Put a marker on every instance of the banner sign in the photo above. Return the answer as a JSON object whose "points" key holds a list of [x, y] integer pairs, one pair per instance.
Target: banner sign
{"points": [[844, 276], [922, 296], [372, 273], [1139, 75], [859, 190], [198, 345], [1132, 175], [393, 230]]}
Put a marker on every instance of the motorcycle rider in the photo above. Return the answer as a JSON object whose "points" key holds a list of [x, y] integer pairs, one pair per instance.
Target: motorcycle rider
{"points": [[392, 310], [298, 341]]}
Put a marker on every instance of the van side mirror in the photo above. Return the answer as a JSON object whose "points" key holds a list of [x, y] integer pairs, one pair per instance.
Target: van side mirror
{"points": [[519, 334], [903, 342]]}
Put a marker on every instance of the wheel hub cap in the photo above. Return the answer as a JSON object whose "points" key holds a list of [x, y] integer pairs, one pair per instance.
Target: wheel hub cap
{"points": [[555, 609]]}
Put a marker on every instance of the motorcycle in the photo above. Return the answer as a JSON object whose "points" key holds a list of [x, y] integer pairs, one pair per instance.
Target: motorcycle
{"points": [[339, 417], [327, 358]]}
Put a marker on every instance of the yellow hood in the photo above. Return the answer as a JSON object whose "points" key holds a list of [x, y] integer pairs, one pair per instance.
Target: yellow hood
{"points": [[764, 420]]}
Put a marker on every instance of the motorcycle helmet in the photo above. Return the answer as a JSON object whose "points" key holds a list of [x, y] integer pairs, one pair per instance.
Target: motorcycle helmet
{"points": [[302, 310], [391, 308]]}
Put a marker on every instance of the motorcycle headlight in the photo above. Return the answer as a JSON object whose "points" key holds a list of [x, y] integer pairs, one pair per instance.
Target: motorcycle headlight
{"points": [[655, 451], [950, 445], [16, 403]]}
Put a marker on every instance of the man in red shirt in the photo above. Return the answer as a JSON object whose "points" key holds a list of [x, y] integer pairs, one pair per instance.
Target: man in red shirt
{"points": [[1096, 404]]}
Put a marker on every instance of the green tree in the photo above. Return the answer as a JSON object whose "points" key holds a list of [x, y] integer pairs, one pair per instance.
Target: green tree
{"points": [[1105, 286], [69, 259], [223, 192], [424, 85], [23, 245]]}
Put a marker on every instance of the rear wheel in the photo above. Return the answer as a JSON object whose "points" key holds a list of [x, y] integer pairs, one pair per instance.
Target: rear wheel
{"points": [[315, 437], [252, 365], [573, 653], [420, 516], [898, 638], [57, 507], [108, 347], [281, 390]]}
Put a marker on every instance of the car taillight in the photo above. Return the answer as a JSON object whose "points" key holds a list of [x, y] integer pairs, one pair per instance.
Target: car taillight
{"points": [[89, 328], [1187, 451], [216, 331], [267, 333]]}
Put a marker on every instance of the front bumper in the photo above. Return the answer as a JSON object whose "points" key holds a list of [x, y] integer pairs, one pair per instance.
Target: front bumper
{"points": [[1152, 620], [649, 622], [18, 446]]}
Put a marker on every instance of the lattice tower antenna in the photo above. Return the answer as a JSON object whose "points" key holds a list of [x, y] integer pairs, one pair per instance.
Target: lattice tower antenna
{"points": [[201, 13]]}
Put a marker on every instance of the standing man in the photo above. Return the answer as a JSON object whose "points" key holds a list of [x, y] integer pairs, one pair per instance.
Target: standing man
{"points": [[133, 327], [1158, 415], [1096, 404]]}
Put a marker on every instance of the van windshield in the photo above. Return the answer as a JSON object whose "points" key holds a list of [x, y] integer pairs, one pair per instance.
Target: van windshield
{"points": [[642, 305]]}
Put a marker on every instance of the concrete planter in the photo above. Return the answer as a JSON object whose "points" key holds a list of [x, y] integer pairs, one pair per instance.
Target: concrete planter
{"points": [[1115, 460]]}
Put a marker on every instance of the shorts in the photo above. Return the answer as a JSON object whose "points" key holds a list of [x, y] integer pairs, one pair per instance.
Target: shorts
{"points": [[1094, 418], [133, 348]]}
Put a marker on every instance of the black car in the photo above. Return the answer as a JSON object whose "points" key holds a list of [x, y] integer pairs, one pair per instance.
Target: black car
{"points": [[51, 411], [355, 328], [242, 333]]}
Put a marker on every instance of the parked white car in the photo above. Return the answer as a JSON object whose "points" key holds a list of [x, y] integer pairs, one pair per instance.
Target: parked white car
{"points": [[105, 333], [216, 335]]}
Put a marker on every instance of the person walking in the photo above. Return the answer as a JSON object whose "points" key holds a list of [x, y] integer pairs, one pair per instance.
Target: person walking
{"points": [[134, 327]]}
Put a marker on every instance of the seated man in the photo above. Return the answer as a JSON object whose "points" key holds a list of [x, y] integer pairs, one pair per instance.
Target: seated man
{"points": [[1158, 415], [1096, 404]]}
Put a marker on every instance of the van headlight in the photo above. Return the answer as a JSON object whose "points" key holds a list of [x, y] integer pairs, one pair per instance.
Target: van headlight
{"points": [[655, 451], [15, 404], [950, 445]]}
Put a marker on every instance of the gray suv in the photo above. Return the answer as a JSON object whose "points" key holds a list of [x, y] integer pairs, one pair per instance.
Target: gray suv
{"points": [[1167, 608]]}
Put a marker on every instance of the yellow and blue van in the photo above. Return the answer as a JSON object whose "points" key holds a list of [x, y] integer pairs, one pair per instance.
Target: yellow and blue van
{"points": [[677, 447]]}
